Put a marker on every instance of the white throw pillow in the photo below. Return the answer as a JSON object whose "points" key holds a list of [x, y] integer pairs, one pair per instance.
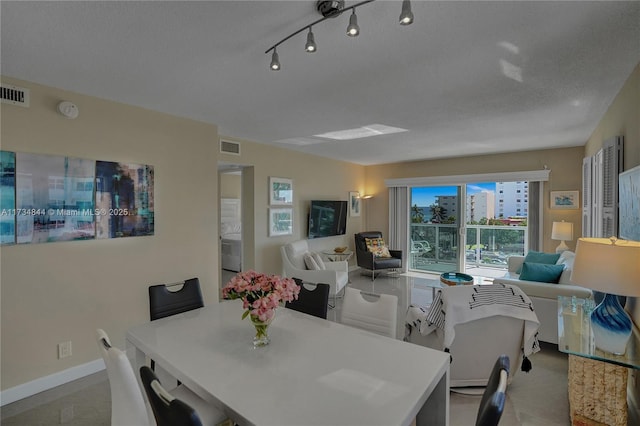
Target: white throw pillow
{"points": [[319, 261], [310, 262], [566, 258]]}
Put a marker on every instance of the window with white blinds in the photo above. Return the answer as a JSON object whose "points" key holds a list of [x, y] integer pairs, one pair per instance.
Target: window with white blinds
{"points": [[600, 189]]}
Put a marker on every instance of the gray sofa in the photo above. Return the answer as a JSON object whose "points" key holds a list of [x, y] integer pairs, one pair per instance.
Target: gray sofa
{"points": [[545, 295]]}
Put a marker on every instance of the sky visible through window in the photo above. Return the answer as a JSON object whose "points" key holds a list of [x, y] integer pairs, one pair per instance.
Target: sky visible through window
{"points": [[426, 196]]}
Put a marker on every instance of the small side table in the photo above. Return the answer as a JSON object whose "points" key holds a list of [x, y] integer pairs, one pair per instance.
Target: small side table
{"points": [[597, 379], [334, 256]]}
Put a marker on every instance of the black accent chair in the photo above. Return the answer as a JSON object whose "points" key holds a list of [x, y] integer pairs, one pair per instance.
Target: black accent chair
{"points": [[366, 259], [167, 410], [164, 302], [492, 403], [313, 302]]}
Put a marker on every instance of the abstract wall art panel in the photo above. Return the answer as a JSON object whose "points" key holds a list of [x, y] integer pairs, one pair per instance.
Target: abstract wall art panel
{"points": [[7, 197], [124, 199], [54, 198]]}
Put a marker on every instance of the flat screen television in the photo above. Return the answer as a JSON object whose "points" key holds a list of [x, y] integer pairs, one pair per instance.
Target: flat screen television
{"points": [[327, 218]]}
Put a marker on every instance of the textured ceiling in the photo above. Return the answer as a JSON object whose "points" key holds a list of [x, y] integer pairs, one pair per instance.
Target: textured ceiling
{"points": [[466, 78]]}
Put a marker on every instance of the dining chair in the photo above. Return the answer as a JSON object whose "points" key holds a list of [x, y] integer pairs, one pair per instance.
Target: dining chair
{"points": [[127, 404], [164, 302], [492, 403], [378, 316], [180, 407], [311, 301]]}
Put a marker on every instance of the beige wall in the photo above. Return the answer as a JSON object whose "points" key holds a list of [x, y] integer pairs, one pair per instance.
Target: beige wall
{"points": [[230, 185], [57, 292], [314, 178], [565, 165], [622, 118]]}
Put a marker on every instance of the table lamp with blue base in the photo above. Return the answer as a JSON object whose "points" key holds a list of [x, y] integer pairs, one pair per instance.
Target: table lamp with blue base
{"points": [[611, 266]]}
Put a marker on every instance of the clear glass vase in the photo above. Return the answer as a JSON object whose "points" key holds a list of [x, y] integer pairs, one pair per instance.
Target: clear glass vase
{"points": [[262, 328]]}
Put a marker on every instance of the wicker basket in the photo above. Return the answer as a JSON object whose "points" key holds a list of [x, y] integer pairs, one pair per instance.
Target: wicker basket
{"points": [[597, 392]]}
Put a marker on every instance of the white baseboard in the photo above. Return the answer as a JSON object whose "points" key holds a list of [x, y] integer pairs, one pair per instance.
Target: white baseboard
{"points": [[33, 387]]}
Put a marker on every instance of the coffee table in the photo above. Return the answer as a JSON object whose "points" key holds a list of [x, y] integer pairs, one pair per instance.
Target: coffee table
{"points": [[456, 278], [435, 283]]}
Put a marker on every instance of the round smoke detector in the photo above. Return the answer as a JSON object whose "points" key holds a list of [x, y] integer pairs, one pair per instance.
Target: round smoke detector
{"points": [[68, 109], [330, 9]]}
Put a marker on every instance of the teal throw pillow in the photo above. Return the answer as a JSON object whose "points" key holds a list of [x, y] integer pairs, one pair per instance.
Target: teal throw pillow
{"points": [[541, 272], [540, 257]]}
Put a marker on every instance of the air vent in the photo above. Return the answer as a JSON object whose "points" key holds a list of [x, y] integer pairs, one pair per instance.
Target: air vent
{"points": [[14, 95], [227, 147]]}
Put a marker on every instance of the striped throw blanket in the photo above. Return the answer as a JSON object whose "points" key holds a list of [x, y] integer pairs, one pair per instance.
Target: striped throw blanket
{"points": [[460, 304]]}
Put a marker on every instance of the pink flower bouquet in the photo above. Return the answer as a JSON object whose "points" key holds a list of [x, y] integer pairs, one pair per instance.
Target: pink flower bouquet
{"points": [[261, 294]]}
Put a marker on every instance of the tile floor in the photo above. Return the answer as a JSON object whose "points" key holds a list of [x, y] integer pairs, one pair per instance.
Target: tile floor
{"points": [[538, 398]]}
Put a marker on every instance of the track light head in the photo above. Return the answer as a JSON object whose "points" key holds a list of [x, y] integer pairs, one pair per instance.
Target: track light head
{"points": [[311, 43], [353, 29], [406, 16], [275, 60]]}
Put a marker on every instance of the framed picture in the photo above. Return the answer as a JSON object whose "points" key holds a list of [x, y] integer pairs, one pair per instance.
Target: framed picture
{"points": [[280, 191], [126, 192], [280, 222], [354, 204], [629, 202], [565, 200], [7, 197], [55, 198]]}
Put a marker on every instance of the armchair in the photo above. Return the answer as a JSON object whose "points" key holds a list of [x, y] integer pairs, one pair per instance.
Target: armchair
{"points": [[476, 324], [367, 260], [336, 274]]}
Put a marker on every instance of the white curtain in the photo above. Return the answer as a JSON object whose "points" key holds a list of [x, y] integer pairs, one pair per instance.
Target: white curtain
{"points": [[399, 221]]}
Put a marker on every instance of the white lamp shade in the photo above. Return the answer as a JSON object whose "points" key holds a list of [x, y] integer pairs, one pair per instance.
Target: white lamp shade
{"points": [[608, 265], [562, 231]]}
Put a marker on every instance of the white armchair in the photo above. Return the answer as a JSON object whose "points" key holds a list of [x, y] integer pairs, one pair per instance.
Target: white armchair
{"points": [[336, 274], [476, 324]]}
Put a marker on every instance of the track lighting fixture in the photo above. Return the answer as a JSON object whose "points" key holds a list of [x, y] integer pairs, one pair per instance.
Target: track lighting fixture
{"points": [[333, 9], [275, 60], [353, 29], [311, 43], [406, 16]]}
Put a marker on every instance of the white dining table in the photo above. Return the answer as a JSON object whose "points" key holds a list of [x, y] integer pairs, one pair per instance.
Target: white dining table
{"points": [[314, 371]]}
